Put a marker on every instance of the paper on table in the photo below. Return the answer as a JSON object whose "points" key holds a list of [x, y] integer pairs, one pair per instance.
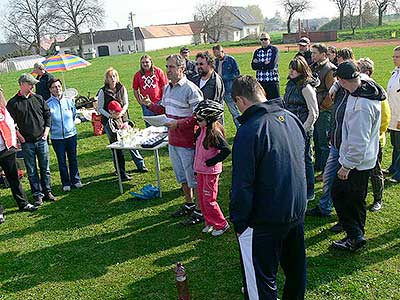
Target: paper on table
{"points": [[159, 120]]}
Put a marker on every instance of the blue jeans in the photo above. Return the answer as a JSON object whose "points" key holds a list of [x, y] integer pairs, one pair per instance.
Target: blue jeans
{"points": [[147, 112], [321, 139], [230, 103], [41, 150], [67, 148], [331, 168], [309, 167], [135, 154]]}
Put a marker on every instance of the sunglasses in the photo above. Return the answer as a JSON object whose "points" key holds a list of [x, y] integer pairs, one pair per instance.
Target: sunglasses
{"points": [[264, 39]]}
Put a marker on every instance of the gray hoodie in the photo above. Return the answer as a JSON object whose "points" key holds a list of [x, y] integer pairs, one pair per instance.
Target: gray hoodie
{"points": [[360, 129]]}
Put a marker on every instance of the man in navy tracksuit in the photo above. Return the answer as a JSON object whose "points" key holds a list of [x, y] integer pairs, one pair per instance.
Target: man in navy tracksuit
{"points": [[268, 193]]}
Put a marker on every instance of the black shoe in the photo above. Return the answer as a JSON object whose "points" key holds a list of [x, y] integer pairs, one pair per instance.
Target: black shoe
{"points": [[376, 206], [184, 210], [337, 228], [195, 218], [316, 212], [38, 200], [49, 197], [29, 207], [350, 244], [143, 170], [126, 177]]}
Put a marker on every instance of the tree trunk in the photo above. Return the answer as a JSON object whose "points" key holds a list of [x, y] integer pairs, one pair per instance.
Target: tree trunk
{"points": [[380, 17], [341, 20], [289, 21]]}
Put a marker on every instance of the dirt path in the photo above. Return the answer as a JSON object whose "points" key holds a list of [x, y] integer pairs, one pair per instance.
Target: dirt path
{"points": [[355, 44]]}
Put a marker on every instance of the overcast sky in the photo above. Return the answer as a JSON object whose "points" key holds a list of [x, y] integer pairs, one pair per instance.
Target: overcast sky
{"points": [[151, 12]]}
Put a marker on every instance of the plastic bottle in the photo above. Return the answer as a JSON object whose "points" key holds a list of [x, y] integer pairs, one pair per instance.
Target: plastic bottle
{"points": [[181, 282]]}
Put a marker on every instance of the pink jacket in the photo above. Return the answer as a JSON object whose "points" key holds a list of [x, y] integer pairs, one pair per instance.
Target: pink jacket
{"points": [[202, 155]]}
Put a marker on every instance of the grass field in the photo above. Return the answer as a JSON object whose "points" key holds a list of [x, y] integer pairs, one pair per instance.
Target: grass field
{"points": [[97, 244]]}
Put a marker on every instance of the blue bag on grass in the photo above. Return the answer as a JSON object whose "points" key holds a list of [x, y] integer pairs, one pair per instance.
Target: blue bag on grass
{"points": [[147, 192]]}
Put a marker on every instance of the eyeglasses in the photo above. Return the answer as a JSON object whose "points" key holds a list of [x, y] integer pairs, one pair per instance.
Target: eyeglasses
{"points": [[264, 39], [200, 64]]}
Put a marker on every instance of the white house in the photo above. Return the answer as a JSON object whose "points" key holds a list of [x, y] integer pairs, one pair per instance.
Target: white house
{"points": [[120, 41]]}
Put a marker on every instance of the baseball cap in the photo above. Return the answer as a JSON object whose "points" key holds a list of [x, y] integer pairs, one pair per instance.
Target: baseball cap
{"points": [[115, 106], [304, 41], [184, 50], [28, 78], [347, 70]]}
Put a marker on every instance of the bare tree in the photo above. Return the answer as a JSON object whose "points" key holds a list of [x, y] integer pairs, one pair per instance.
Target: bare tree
{"points": [[382, 6], [74, 15], [354, 19], [27, 21], [211, 15], [256, 11], [341, 5], [293, 7]]}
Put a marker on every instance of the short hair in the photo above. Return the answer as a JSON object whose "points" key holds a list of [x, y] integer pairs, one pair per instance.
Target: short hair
{"points": [[320, 47], [108, 72], [207, 56], [366, 65], [218, 48], [179, 60], [39, 66], [396, 48], [332, 49], [345, 53], [52, 81], [248, 87]]}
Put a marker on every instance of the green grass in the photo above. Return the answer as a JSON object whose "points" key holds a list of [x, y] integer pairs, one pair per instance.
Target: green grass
{"points": [[97, 244]]}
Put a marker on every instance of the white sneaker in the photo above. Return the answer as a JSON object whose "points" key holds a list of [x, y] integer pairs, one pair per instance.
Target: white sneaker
{"points": [[207, 229], [78, 185], [220, 231], [66, 188]]}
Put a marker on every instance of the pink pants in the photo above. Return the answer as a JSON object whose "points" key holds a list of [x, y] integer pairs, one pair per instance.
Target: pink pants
{"points": [[207, 186]]}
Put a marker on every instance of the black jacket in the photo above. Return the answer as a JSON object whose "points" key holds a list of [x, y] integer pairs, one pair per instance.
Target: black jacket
{"points": [[42, 87], [213, 89], [268, 169], [30, 114]]}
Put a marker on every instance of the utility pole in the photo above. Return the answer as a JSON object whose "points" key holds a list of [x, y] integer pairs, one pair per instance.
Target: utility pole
{"points": [[131, 15], [360, 9]]}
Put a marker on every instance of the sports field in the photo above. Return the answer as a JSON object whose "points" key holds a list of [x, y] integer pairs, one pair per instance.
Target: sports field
{"points": [[97, 244]]}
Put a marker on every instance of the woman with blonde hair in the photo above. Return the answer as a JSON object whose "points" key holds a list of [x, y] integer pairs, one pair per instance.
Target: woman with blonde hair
{"points": [[300, 98], [8, 156], [113, 90]]}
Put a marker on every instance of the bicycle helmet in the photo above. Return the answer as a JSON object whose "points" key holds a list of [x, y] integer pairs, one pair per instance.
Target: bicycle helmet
{"points": [[209, 110]]}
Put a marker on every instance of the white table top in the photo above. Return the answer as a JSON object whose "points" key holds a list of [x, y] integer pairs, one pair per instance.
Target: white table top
{"points": [[118, 146]]}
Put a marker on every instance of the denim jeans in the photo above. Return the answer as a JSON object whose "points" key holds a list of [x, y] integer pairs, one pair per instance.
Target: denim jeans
{"points": [[321, 139], [309, 167], [331, 168], [147, 112], [67, 148], [230, 103], [395, 166], [39, 149], [135, 154]]}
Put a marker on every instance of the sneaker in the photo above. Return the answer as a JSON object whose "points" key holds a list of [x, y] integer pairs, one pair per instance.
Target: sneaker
{"points": [[38, 200], [66, 188], [220, 231], [78, 185], [337, 228], [316, 212], [350, 244], [126, 178], [376, 206], [2, 218], [207, 229], [29, 207], [143, 170], [184, 210], [194, 218], [49, 197]]}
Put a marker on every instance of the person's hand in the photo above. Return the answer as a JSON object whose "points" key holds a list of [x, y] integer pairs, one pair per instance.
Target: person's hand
{"points": [[44, 137], [343, 173], [267, 62], [146, 101], [21, 139], [172, 124], [238, 234]]}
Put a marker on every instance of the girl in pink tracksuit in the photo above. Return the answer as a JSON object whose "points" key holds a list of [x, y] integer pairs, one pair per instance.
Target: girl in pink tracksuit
{"points": [[211, 150]]}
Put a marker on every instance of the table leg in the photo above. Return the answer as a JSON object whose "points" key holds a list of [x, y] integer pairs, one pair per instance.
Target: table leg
{"points": [[121, 188], [157, 161]]}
